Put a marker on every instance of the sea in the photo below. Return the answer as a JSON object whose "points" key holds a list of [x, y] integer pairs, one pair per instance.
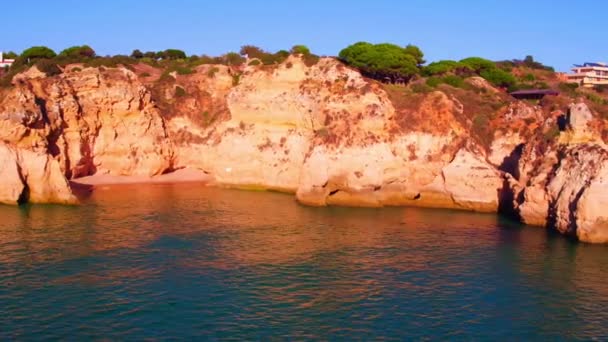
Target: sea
{"points": [[190, 262]]}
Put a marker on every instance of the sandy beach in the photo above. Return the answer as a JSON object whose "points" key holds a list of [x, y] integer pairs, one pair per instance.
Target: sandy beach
{"points": [[179, 176]]}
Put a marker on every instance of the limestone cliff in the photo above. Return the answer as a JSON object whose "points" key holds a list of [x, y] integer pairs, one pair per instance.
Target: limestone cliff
{"points": [[322, 132], [565, 185]]}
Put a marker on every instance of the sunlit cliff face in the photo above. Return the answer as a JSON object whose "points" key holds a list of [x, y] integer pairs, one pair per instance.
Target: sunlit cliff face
{"points": [[322, 132]]}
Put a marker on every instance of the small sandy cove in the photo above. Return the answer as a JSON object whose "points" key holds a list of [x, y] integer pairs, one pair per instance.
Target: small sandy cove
{"points": [[179, 176]]}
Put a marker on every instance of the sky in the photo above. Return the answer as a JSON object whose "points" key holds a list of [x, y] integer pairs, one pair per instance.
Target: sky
{"points": [[558, 33]]}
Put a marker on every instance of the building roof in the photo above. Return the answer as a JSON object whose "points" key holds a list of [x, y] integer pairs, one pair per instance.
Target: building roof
{"points": [[587, 64], [535, 92]]}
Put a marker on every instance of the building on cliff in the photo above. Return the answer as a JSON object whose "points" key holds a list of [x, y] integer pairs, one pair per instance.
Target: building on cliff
{"points": [[589, 74], [4, 62]]}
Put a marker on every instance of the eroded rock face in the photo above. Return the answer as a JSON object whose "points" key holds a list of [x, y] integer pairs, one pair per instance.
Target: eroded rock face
{"points": [[31, 176], [565, 187], [322, 132], [334, 138], [79, 124], [12, 183]]}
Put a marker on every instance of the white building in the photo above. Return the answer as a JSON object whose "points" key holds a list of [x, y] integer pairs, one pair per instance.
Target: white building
{"points": [[589, 74], [5, 63]]}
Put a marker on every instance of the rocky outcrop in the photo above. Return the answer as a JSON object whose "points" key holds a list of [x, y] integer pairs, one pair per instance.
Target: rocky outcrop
{"points": [[78, 124], [31, 176], [334, 138], [565, 186]]}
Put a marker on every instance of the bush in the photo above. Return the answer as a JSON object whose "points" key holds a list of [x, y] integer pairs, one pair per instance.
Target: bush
{"points": [[529, 78], [110, 62], [182, 70], [478, 64], [10, 55], [454, 81], [233, 58], [310, 60], [48, 67], [236, 78], [386, 62], [78, 52], [180, 92], [76, 69], [37, 52], [171, 54], [252, 51], [415, 52], [440, 68], [596, 99], [567, 87], [255, 62], [601, 88], [137, 54], [300, 49], [498, 77], [150, 54], [145, 74], [433, 82]]}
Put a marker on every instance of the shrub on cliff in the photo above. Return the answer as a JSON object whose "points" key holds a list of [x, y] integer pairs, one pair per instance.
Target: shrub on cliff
{"points": [[252, 51], [300, 49], [478, 64], [78, 52], [10, 55], [445, 67], [37, 52], [171, 54], [308, 58], [137, 54], [150, 54], [233, 58], [48, 67], [499, 78], [111, 62], [385, 62], [439, 68], [415, 52], [180, 92]]}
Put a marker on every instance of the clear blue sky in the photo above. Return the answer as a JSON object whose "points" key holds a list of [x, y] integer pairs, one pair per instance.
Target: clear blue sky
{"points": [[557, 33]]}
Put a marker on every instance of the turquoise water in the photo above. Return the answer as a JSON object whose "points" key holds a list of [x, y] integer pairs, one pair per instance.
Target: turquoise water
{"points": [[185, 261]]}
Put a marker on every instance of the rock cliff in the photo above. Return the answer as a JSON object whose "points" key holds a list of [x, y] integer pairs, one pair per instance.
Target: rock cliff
{"points": [[564, 185], [322, 132]]}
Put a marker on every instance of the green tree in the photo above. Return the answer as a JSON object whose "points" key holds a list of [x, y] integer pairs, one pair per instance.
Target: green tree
{"points": [[300, 49], [478, 64], [10, 55], [173, 54], [150, 54], [441, 67], [499, 78], [386, 62], [78, 52], [233, 58], [252, 51], [415, 52], [137, 54], [37, 52], [48, 67]]}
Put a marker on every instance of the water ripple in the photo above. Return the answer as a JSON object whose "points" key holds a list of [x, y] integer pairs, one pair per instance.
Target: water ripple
{"points": [[153, 262]]}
